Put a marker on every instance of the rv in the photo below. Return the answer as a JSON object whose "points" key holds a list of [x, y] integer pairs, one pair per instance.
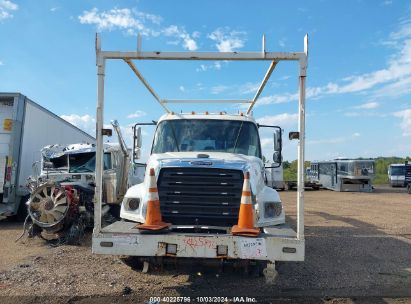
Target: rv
{"points": [[396, 175], [344, 175]]}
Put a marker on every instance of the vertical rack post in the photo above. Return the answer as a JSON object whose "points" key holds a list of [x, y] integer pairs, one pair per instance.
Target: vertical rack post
{"points": [[301, 143], [99, 135]]}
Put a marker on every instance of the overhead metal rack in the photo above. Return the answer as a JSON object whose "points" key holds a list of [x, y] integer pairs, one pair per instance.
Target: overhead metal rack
{"points": [[273, 57]]}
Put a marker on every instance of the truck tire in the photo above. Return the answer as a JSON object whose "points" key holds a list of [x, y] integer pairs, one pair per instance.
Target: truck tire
{"points": [[75, 233], [133, 262], [409, 188], [22, 211]]}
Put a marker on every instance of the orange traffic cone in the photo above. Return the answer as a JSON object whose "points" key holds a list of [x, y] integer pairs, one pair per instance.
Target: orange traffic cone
{"points": [[245, 225], [153, 216]]}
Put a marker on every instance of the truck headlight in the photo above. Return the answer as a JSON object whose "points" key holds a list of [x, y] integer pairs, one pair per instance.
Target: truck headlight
{"points": [[133, 204], [272, 209]]}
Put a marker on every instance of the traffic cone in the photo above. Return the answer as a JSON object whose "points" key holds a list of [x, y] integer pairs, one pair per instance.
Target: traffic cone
{"points": [[245, 225], [153, 217]]}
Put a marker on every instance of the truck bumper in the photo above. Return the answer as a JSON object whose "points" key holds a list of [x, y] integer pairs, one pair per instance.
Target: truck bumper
{"points": [[397, 183], [6, 210], [277, 243]]}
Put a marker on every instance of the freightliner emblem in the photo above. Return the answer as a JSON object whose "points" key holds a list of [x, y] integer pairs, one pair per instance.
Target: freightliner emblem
{"points": [[201, 163]]}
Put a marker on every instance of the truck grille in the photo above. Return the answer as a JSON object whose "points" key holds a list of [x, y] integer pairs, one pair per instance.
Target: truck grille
{"points": [[200, 196]]}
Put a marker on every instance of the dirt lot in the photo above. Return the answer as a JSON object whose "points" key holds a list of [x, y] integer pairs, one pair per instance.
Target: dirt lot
{"points": [[358, 250]]}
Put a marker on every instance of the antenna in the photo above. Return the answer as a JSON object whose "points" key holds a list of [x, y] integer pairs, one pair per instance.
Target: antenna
{"points": [[263, 46], [139, 43]]}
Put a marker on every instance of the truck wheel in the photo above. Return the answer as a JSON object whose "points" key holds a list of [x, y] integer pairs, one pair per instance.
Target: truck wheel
{"points": [[257, 269], [133, 262], [409, 189], [22, 211], [75, 233]]}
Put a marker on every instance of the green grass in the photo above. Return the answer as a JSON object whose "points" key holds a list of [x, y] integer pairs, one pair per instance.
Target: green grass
{"points": [[380, 179]]}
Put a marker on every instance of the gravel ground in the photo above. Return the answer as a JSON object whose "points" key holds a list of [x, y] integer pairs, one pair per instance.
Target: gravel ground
{"points": [[358, 250]]}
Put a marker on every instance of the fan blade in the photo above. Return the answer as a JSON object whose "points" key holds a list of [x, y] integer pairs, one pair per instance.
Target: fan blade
{"points": [[52, 191], [60, 193], [43, 217], [50, 218], [35, 205], [61, 209], [57, 215], [62, 201], [45, 192]]}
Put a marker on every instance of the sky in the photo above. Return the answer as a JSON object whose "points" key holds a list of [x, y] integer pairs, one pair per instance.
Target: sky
{"points": [[358, 80]]}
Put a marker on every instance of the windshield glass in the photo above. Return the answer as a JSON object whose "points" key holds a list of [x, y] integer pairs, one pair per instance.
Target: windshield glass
{"points": [[86, 162], [207, 135], [398, 170], [58, 163], [363, 168]]}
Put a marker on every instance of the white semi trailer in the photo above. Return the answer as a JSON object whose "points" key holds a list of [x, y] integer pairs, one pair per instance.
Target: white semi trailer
{"points": [[25, 128], [275, 177], [199, 164]]}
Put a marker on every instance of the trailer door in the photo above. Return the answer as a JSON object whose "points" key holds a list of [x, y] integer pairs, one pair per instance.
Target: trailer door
{"points": [[6, 125]]}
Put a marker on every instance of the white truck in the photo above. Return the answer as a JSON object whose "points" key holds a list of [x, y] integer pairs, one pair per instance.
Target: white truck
{"points": [[275, 177], [26, 127], [396, 175], [198, 165]]}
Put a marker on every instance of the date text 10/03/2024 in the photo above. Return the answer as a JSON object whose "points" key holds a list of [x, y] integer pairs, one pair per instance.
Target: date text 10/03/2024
{"points": [[159, 300]]}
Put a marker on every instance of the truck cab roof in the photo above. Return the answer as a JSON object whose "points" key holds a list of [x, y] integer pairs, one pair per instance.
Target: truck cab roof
{"points": [[206, 115]]}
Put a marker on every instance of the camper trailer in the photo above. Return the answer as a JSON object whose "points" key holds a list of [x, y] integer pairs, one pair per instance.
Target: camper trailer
{"points": [[344, 174], [396, 175]]}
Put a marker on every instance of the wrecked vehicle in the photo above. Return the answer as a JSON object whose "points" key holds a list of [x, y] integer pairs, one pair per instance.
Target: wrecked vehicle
{"points": [[61, 203]]}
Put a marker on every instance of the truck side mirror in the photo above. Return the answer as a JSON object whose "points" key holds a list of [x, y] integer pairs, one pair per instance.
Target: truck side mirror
{"points": [[277, 158], [277, 140], [294, 135], [137, 143], [138, 137]]}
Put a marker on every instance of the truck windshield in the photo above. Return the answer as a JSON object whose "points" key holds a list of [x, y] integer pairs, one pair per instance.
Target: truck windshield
{"points": [[398, 170], [86, 162], [207, 135], [58, 163]]}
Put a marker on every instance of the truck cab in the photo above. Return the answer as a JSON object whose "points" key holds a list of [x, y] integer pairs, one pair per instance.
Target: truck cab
{"points": [[396, 175], [200, 161]]}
